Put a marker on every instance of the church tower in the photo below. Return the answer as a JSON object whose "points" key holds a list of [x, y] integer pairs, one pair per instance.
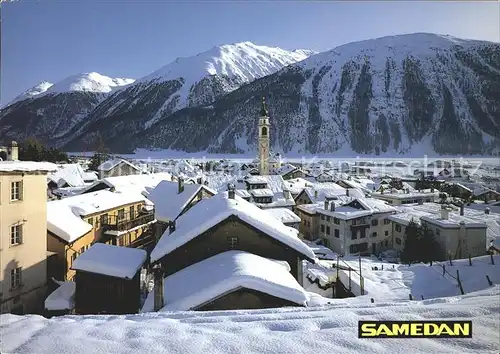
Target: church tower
{"points": [[263, 128]]}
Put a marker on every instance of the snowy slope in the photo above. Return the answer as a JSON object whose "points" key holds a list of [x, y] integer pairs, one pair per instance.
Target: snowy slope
{"points": [[187, 82], [321, 330], [89, 82], [417, 93], [49, 110], [32, 92]]}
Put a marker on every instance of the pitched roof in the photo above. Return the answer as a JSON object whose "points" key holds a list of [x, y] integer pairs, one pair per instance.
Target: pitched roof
{"points": [[26, 166], [110, 164], [113, 261], [210, 212], [169, 203], [225, 272]]}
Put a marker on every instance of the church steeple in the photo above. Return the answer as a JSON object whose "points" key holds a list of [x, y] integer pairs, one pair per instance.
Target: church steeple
{"points": [[263, 110], [264, 139]]}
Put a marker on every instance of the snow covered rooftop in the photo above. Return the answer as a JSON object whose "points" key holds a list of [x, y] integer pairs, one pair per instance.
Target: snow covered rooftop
{"points": [[206, 280], [264, 192], [70, 174], [110, 164], [210, 212], [64, 217], [27, 166], [403, 195], [256, 180], [141, 184], [286, 216], [113, 261], [169, 203], [62, 298], [369, 206]]}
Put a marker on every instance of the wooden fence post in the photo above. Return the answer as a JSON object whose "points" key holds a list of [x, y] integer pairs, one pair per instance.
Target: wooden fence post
{"points": [[443, 269], [422, 296], [489, 281], [460, 283], [491, 256], [411, 297], [449, 256], [362, 284], [470, 261], [349, 278]]}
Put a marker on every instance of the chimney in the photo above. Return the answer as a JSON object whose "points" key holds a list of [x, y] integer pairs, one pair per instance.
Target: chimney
{"points": [[326, 204], [315, 194], [14, 151], [444, 212], [487, 210], [230, 189], [180, 183], [158, 289], [347, 192], [332, 206], [461, 209], [171, 227]]}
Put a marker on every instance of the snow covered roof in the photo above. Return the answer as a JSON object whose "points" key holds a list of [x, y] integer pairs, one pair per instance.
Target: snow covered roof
{"points": [[369, 206], [210, 212], [264, 192], [27, 166], [402, 195], [256, 180], [113, 261], [322, 191], [141, 184], [110, 164], [286, 216], [70, 174], [285, 169], [169, 203], [206, 280], [62, 298], [64, 217]]}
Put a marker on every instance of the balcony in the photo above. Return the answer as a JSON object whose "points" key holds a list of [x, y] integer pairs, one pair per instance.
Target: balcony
{"points": [[124, 225]]}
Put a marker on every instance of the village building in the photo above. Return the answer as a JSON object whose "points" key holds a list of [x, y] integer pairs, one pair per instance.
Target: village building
{"points": [[231, 280], [75, 223], [289, 171], [227, 222], [108, 280], [117, 167], [23, 244], [9, 153], [459, 232], [358, 227], [286, 216], [406, 197], [141, 184]]}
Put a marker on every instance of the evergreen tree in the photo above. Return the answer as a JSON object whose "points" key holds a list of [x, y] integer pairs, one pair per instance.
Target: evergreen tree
{"points": [[100, 156], [411, 248], [33, 150], [430, 248]]}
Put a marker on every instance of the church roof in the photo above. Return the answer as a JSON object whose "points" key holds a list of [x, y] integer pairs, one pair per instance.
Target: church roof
{"points": [[263, 110]]}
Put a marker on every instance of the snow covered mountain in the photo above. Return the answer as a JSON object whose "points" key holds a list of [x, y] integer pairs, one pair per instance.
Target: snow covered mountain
{"points": [[47, 110], [416, 93], [187, 82]]}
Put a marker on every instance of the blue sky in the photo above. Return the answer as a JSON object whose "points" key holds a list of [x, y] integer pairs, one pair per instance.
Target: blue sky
{"points": [[50, 40]]}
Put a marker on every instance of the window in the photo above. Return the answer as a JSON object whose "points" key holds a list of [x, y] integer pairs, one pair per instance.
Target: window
{"points": [[354, 235], [233, 241], [361, 233], [386, 233], [15, 277], [322, 217], [81, 250], [387, 221], [374, 234], [337, 233], [327, 218], [438, 233], [264, 131], [374, 222], [336, 221], [16, 191], [132, 211], [104, 219], [386, 243], [328, 230], [398, 240], [398, 228], [121, 214], [322, 228], [16, 233], [91, 221], [308, 223]]}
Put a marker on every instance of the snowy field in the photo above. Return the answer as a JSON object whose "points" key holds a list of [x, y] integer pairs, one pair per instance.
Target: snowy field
{"points": [[323, 329], [330, 329]]}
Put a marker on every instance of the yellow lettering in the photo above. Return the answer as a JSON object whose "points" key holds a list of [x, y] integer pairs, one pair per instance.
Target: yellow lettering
{"points": [[431, 329], [416, 329], [462, 329], [369, 329], [401, 329], [384, 329]]}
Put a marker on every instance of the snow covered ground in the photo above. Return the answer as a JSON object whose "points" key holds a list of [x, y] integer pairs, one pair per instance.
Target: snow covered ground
{"points": [[328, 329]]}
